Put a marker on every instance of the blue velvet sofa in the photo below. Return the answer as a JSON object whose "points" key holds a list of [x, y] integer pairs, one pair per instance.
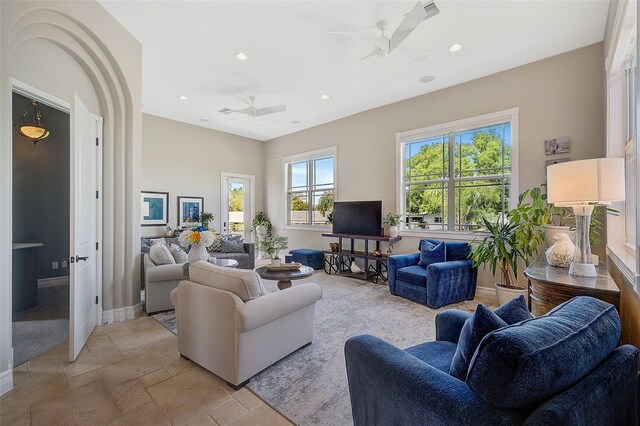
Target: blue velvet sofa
{"points": [[438, 284], [559, 369]]}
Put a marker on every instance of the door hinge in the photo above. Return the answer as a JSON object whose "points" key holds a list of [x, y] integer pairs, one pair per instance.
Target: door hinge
{"points": [[97, 194], [97, 246], [96, 300], [97, 142]]}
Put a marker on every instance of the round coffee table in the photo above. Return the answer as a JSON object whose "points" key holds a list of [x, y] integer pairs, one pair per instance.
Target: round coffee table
{"points": [[284, 278], [223, 263]]}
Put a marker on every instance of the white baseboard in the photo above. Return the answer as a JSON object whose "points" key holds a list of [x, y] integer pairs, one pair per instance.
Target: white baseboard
{"points": [[486, 293], [121, 314], [53, 282], [6, 381]]}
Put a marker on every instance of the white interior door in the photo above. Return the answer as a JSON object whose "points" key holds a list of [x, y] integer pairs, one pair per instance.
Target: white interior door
{"points": [[85, 259], [237, 204]]}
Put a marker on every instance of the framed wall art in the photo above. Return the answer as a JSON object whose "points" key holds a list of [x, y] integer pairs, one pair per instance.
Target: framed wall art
{"points": [[189, 210], [154, 208], [557, 146]]}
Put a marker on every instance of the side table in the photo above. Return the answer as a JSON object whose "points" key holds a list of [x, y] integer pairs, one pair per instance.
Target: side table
{"points": [[550, 286]]}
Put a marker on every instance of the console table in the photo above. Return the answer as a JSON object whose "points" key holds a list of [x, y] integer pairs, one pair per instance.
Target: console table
{"points": [[339, 262], [550, 286]]}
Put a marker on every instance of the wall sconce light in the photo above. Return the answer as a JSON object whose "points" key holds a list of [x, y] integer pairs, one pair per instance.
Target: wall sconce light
{"points": [[32, 125]]}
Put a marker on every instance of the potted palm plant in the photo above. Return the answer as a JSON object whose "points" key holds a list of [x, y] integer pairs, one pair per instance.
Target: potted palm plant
{"points": [[499, 251]]}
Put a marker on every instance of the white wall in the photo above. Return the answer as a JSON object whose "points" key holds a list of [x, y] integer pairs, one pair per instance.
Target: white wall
{"points": [[183, 159], [558, 96]]}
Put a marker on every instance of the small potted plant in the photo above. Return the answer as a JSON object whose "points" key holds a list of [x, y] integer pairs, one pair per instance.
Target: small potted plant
{"points": [[272, 245], [206, 218], [392, 219], [261, 227]]}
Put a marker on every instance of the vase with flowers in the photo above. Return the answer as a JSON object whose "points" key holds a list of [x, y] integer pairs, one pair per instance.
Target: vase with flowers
{"points": [[200, 238]]}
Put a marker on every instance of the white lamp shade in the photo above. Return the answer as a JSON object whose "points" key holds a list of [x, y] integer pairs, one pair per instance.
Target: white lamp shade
{"points": [[599, 181]]}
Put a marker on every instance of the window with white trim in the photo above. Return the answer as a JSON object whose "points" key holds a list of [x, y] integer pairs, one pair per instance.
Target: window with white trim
{"points": [[630, 150], [310, 188], [455, 174]]}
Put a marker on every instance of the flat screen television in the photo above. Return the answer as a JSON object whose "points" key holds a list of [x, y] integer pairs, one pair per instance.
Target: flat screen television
{"points": [[357, 217]]}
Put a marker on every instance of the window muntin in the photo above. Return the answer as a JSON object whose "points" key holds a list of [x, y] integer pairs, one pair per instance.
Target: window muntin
{"points": [[471, 167]]}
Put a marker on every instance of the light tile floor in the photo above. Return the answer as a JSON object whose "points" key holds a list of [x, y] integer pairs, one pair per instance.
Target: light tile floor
{"points": [[129, 373]]}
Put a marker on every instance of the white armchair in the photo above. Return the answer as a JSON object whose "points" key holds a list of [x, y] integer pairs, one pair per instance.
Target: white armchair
{"points": [[230, 325]]}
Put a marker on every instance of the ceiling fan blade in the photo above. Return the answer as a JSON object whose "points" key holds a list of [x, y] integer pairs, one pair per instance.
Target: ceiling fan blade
{"points": [[410, 22], [227, 111], [376, 51], [270, 110]]}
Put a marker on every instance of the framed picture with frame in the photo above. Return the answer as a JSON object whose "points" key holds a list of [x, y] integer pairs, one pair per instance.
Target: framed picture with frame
{"points": [[154, 208], [189, 210]]}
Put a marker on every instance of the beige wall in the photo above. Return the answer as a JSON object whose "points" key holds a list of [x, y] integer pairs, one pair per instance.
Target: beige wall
{"points": [[183, 159], [62, 47], [558, 96]]}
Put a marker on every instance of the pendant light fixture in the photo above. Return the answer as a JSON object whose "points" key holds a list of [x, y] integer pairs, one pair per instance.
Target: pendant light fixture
{"points": [[31, 124]]}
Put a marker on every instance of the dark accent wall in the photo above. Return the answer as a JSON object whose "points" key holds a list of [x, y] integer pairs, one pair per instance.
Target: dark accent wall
{"points": [[41, 188]]}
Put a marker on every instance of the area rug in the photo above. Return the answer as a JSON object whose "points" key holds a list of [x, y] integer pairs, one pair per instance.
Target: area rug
{"points": [[32, 338], [309, 387]]}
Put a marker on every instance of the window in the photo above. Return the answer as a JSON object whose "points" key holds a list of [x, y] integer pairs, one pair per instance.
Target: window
{"points": [[310, 187], [630, 151], [455, 174]]}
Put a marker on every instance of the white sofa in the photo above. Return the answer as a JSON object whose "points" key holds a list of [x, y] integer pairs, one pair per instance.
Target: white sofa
{"points": [[159, 282], [230, 325]]}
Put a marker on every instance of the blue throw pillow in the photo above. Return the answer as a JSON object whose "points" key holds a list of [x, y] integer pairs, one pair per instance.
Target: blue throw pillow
{"points": [[475, 328], [432, 253], [515, 310]]}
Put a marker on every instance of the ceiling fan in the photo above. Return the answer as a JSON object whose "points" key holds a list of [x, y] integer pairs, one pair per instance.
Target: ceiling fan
{"points": [[252, 111], [411, 21]]}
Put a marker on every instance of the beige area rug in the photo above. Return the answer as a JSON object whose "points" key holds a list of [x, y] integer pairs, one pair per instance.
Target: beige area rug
{"points": [[310, 387]]}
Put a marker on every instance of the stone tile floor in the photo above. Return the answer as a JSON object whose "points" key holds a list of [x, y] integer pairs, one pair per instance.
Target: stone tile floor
{"points": [[129, 373]]}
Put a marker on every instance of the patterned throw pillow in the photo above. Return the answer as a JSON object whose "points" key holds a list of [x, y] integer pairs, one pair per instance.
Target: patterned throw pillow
{"points": [[216, 246], [234, 246]]}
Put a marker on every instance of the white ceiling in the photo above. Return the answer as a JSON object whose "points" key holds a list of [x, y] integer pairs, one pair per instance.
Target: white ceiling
{"points": [[188, 49]]}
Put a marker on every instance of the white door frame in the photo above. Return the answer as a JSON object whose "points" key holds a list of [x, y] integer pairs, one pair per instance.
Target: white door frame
{"points": [[224, 205], [45, 98]]}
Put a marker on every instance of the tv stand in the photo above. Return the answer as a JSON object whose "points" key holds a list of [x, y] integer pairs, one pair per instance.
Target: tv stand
{"points": [[339, 262]]}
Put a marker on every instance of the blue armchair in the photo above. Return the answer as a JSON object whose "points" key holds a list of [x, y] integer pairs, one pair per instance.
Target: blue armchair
{"points": [[438, 284], [559, 369]]}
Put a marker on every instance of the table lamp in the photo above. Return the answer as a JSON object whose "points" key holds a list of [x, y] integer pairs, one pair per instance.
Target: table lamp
{"points": [[583, 185]]}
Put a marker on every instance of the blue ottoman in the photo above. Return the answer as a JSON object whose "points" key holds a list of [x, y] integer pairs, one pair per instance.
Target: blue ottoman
{"points": [[309, 257]]}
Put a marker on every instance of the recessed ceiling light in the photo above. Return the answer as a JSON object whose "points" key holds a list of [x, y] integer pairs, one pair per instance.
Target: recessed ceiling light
{"points": [[455, 47], [241, 56], [204, 120], [183, 98], [295, 121], [325, 97], [259, 122], [426, 79]]}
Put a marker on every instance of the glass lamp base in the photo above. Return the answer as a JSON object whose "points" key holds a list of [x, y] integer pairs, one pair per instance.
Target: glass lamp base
{"points": [[583, 270]]}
